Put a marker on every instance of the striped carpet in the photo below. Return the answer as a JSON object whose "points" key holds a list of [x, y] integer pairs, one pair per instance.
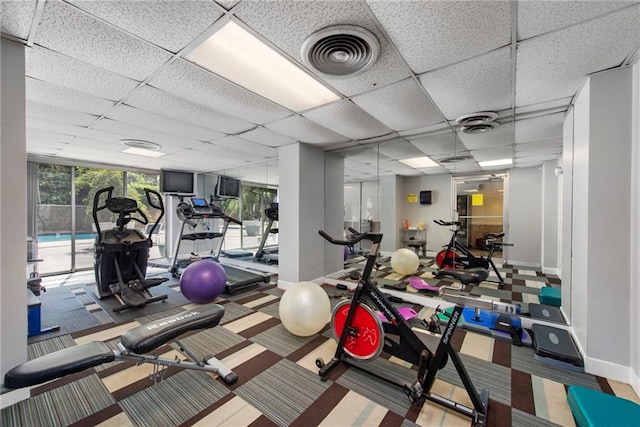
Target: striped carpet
{"points": [[278, 383]]}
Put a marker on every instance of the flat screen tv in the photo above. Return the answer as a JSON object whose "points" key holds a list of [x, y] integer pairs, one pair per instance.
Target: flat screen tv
{"points": [[227, 187], [176, 182]]}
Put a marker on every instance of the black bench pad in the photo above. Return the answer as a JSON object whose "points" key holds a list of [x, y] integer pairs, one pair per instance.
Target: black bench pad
{"points": [[146, 338], [58, 364]]}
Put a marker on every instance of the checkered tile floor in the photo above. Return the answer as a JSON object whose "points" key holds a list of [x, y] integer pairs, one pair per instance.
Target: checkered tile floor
{"points": [[278, 382]]}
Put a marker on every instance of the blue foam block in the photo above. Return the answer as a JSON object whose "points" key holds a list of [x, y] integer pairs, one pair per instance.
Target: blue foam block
{"points": [[550, 296], [593, 408]]}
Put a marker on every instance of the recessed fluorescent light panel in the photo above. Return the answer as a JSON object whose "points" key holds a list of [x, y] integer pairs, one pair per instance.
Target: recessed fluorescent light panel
{"points": [[499, 162], [143, 152], [235, 54], [419, 162]]}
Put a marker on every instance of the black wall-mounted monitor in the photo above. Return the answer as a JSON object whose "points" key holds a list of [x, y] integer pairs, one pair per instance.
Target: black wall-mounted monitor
{"points": [[425, 197], [227, 187], [176, 182]]}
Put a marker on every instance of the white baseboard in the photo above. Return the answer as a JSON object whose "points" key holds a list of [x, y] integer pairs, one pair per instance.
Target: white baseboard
{"points": [[635, 382], [554, 271], [609, 370], [12, 397], [523, 263]]}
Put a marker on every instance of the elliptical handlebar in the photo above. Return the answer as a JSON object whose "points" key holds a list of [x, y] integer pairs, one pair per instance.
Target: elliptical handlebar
{"points": [[447, 223], [373, 237]]}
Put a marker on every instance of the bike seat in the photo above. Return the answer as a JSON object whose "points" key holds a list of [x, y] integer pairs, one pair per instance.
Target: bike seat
{"points": [[466, 276]]}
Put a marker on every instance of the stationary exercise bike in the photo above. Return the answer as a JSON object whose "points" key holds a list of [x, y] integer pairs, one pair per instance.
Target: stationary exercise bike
{"points": [[362, 336], [457, 261], [121, 253]]}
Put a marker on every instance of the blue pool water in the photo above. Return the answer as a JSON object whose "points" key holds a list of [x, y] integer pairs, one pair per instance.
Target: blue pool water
{"points": [[61, 237]]}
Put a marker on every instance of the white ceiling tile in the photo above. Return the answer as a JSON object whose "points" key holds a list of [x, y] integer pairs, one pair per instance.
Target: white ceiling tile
{"points": [[17, 17], [67, 30], [463, 168], [522, 163], [246, 146], [347, 119], [48, 93], [554, 65], [304, 130], [303, 18], [433, 34], [365, 155], [502, 135], [495, 153], [168, 24], [87, 144], [135, 116], [191, 82], [129, 131], [212, 161], [53, 67], [548, 143], [54, 113], [538, 17], [445, 144], [162, 103], [265, 136], [434, 171], [418, 132], [538, 151], [539, 128], [411, 107], [399, 150], [224, 152], [537, 158], [479, 84], [59, 127], [397, 168], [47, 135], [114, 139], [562, 103], [227, 4]]}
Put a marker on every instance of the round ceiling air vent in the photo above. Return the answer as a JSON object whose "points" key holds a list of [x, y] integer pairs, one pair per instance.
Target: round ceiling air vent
{"points": [[485, 127], [476, 118], [139, 143], [454, 159], [340, 50]]}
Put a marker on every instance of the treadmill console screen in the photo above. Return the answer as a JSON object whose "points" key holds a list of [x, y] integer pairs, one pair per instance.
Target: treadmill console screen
{"points": [[200, 205]]}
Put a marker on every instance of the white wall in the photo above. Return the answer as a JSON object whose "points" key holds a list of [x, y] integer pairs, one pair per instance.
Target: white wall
{"points": [[310, 200], [524, 205], [602, 224], [635, 232], [333, 211], [390, 220], [549, 242], [440, 207], [567, 213], [13, 211]]}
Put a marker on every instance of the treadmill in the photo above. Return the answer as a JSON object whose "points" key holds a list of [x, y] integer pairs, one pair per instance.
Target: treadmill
{"points": [[237, 279], [269, 255]]}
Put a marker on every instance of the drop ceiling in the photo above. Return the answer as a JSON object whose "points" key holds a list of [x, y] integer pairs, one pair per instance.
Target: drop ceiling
{"points": [[99, 72]]}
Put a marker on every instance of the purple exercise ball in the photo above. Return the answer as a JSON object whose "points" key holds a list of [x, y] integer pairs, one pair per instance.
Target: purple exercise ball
{"points": [[203, 281]]}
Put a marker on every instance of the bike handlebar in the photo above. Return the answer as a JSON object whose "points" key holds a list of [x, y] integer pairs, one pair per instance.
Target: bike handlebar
{"points": [[374, 237]]}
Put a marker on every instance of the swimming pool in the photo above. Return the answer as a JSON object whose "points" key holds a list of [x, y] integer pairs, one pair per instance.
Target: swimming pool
{"points": [[62, 237]]}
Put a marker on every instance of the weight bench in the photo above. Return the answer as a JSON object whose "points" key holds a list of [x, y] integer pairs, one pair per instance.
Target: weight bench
{"points": [[593, 408], [134, 345]]}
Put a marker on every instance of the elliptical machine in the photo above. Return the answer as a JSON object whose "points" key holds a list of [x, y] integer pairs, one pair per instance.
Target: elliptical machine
{"points": [[121, 253]]}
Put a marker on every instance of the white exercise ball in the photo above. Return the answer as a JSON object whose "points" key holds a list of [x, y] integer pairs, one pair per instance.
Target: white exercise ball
{"points": [[405, 261], [305, 309]]}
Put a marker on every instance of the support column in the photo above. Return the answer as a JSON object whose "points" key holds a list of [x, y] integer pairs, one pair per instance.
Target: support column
{"points": [[601, 285], [13, 209], [311, 194]]}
